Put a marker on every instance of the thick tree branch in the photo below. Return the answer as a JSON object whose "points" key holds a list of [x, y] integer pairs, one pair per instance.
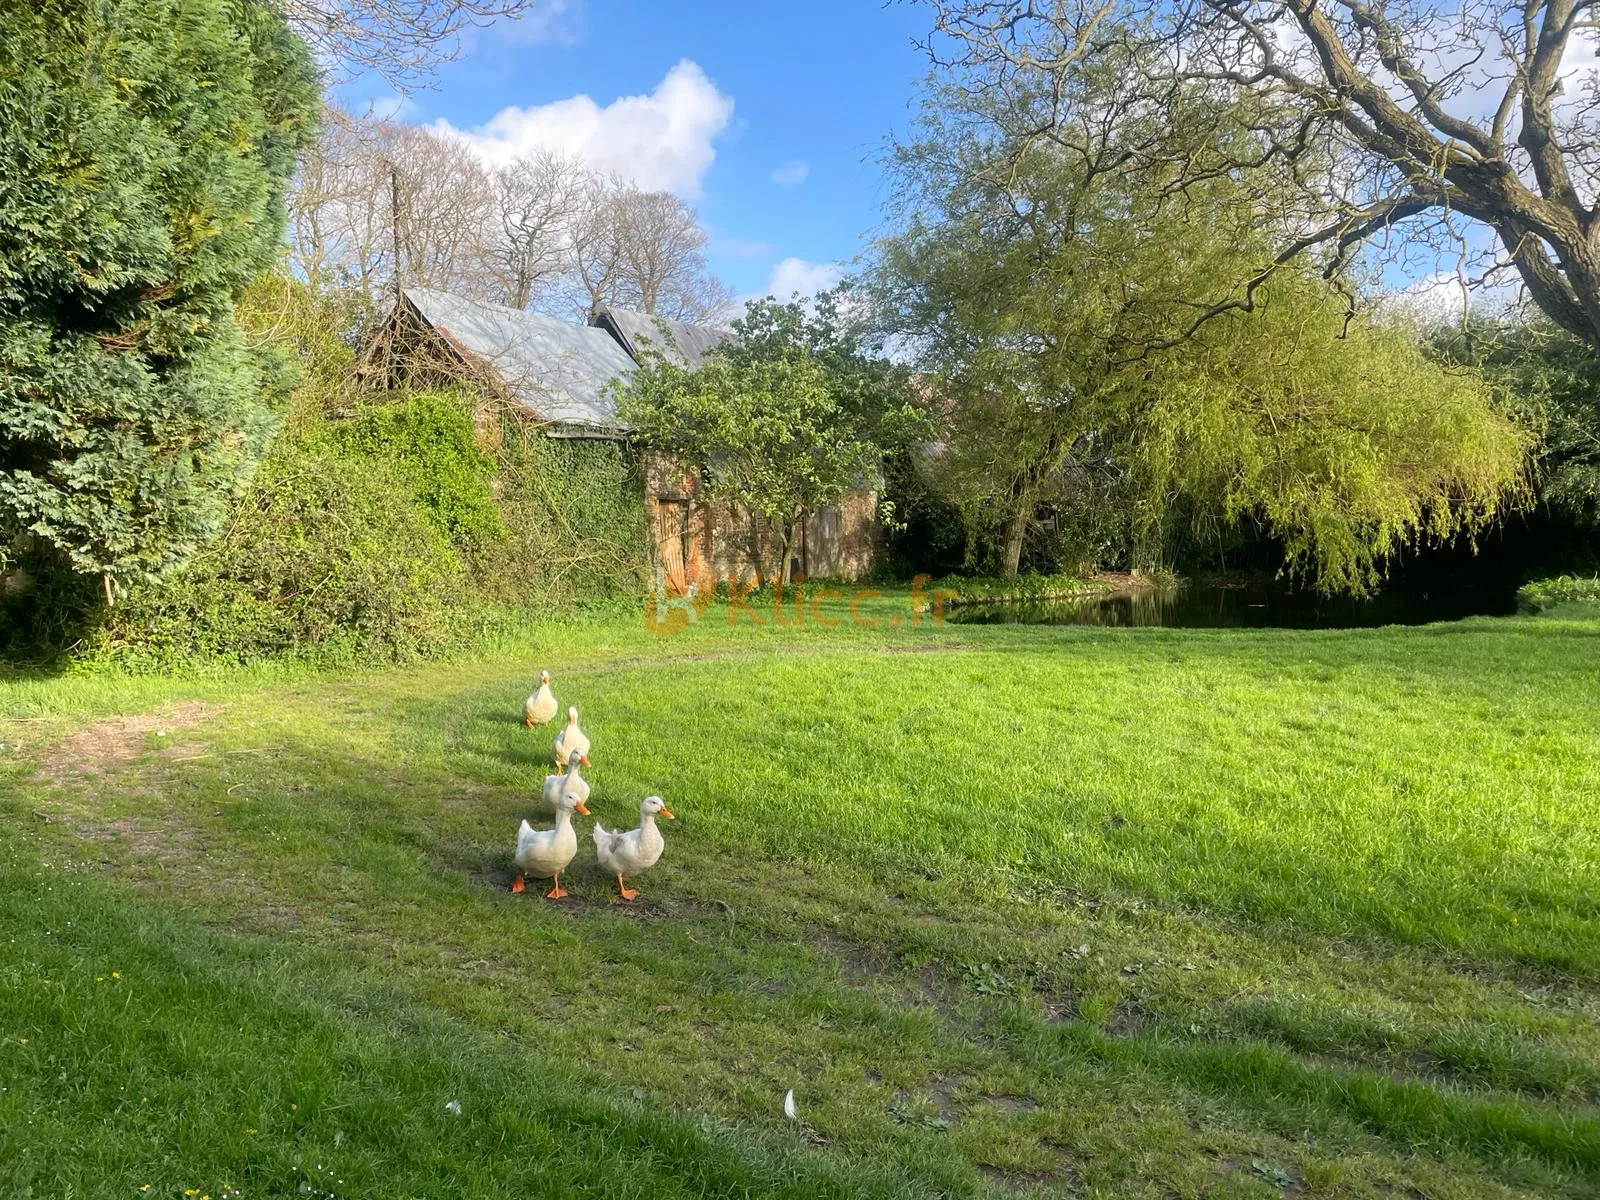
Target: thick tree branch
{"points": [[1342, 104]]}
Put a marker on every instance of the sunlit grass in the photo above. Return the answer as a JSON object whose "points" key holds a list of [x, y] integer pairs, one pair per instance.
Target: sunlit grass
{"points": [[1119, 912]]}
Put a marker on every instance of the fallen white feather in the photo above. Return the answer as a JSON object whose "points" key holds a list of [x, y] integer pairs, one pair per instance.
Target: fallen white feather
{"points": [[788, 1106]]}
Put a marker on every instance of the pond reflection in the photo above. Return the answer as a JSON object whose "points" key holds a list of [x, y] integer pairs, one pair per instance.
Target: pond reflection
{"points": [[1248, 605]]}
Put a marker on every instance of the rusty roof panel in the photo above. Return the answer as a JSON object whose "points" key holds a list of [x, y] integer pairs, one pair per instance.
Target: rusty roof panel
{"points": [[561, 372]]}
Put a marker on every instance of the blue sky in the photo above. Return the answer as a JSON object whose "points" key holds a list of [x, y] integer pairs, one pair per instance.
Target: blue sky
{"points": [[766, 116]]}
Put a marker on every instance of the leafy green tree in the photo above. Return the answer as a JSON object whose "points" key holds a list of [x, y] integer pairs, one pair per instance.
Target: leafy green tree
{"points": [[1057, 300], [145, 148], [1557, 376], [783, 419], [1394, 126]]}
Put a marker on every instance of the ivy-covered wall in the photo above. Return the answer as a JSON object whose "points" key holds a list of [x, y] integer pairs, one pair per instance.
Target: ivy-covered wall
{"points": [[381, 526]]}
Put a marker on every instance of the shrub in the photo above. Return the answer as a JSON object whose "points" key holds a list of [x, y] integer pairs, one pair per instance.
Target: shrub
{"points": [[326, 556], [145, 148], [384, 525], [980, 590], [429, 437], [574, 514], [1542, 594]]}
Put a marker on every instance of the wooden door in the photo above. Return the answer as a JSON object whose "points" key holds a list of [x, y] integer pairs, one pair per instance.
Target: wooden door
{"points": [[677, 548]]}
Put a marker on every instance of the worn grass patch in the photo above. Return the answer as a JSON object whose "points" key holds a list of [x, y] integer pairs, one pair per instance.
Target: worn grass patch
{"points": [[1056, 911]]}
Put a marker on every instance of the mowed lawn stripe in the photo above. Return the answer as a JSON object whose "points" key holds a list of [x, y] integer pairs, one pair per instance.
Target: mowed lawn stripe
{"points": [[1101, 912]]}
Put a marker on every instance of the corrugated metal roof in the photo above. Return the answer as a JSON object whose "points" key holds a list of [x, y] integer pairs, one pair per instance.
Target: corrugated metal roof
{"points": [[677, 340], [558, 370]]}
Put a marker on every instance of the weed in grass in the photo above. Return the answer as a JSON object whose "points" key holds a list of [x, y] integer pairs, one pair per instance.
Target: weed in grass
{"points": [[1076, 910]]}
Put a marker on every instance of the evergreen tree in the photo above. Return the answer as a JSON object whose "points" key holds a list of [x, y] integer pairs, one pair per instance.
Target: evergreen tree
{"points": [[145, 149]]}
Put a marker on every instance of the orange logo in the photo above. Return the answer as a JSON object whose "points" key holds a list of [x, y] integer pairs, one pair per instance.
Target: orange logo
{"points": [[668, 610]]}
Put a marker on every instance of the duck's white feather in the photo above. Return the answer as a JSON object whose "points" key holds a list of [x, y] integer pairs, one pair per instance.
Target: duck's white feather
{"points": [[631, 852], [540, 708], [543, 852], [571, 739], [571, 783]]}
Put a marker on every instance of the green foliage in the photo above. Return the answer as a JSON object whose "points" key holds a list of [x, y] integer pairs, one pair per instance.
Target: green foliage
{"points": [[767, 435], [430, 437], [383, 526], [875, 395], [1540, 594], [1340, 438], [1053, 303], [782, 420], [1556, 379], [145, 146], [326, 555], [573, 510], [971, 589]]}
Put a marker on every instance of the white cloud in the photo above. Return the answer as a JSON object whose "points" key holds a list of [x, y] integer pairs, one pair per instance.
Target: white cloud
{"points": [[661, 141], [791, 173], [1438, 298], [555, 22], [790, 279], [796, 275]]}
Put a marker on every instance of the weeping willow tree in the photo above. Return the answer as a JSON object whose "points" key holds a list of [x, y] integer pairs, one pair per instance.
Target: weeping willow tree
{"points": [[1056, 301]]}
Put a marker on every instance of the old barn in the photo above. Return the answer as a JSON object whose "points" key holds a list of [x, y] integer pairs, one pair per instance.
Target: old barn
{"points": [[561, 375]]}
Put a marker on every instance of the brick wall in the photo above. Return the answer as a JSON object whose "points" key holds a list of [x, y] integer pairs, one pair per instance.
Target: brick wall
{"points": [[714, 542]]}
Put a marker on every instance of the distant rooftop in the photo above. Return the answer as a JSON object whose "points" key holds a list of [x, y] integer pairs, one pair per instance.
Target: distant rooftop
{"points": [[678, 341], [558, 370]]}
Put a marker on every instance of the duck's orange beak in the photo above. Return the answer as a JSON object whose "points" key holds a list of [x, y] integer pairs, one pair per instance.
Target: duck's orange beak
{"points": [[584, 760], [667, 813], [583, 808]]}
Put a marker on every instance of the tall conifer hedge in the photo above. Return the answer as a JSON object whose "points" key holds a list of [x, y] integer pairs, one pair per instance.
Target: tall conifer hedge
{"points": [[145, 149]]}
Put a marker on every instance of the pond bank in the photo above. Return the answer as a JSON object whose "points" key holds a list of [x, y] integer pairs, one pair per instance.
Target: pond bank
{"points": [[1259, 603], [1039, 589]]}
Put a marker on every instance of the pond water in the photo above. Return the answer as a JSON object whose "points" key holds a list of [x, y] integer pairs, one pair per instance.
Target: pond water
{"points": [[1251, 605]]}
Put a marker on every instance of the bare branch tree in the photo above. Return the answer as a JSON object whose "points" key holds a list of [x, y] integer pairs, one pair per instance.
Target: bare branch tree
{"points": [[345, 228], [1390, 118], [398, 40], [663, 260], [538, 202], [340, 220], [542, 231], [446, 212], [596, 249], [645, 251]]}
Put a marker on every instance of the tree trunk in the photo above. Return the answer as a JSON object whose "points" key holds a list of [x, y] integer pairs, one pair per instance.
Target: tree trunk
{"points": [[1016, 530], [753, 547], [787, 552]]}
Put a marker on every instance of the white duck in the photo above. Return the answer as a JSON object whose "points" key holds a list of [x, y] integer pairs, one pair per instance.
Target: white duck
{"points": [[635, 851], [545, 853], [540, 708], [571, 781], [571, 739]]}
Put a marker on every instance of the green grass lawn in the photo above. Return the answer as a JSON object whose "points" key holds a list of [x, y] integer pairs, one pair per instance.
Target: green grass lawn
{"points": [[1066, 911]]}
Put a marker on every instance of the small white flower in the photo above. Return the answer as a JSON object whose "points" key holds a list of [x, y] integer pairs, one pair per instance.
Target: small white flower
{"points": [[453, 1107]]}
